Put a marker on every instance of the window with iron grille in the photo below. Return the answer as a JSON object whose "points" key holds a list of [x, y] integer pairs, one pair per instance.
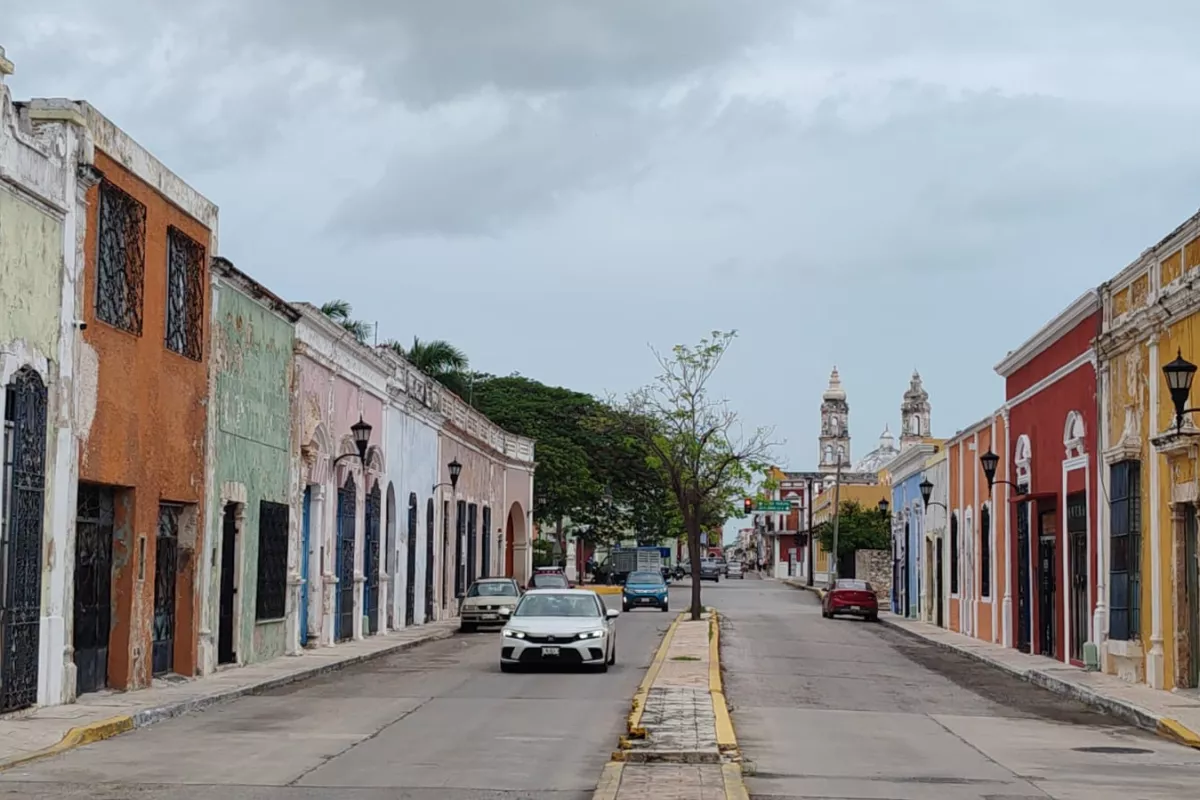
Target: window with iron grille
{"points": [[185, 295], [985, 551], [120, 259], [1125, 531], [953, 554], [272, 560]]}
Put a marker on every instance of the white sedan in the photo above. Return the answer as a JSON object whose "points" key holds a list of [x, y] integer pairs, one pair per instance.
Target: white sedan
{"points": [[566, 627]]}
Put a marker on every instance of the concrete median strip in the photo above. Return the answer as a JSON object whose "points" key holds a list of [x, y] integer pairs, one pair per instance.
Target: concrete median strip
{"points": [[679, 735]]}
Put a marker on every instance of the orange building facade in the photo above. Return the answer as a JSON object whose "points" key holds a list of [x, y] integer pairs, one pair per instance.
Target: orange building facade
{"points": [[977, 537], [144, 384]]}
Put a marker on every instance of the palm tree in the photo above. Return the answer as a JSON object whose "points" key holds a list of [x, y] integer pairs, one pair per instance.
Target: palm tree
{"points": [[438, 359], [339, 311]]}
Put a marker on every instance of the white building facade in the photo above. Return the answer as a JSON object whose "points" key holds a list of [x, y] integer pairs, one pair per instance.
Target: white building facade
{"points": [[45, 172]]}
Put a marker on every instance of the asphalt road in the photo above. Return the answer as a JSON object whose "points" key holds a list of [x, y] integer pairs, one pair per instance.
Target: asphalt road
{"points": [[439, 722], [841, 709]]}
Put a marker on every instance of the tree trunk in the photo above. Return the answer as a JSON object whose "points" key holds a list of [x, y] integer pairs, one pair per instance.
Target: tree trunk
{"points": [[561, 536], [693, 536]]}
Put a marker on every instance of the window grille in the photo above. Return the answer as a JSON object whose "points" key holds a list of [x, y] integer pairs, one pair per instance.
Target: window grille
{"points": [[271, 595], [120, 259], [185, 295]]}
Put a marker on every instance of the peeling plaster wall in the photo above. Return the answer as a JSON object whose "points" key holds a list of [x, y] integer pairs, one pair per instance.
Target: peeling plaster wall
{"points": [[253, 360], [44, 172], [149, 429]]}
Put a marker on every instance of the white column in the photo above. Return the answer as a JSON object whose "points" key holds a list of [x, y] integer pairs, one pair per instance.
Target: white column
{"points": [[1100, 615], [1155, 661], [1010, 571]]}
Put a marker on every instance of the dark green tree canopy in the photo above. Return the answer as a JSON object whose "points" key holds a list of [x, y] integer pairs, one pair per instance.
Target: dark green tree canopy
{"points": [[859, 528]]}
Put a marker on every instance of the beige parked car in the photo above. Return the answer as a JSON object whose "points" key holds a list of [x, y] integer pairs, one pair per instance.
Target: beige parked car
{"points": [[485, 600]]}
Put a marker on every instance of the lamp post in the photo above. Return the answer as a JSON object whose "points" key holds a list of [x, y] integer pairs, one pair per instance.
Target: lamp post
{"points": [[837, 509], [455, 470], [927, 491], [989, 461], [1179, 374], [361, 432]]}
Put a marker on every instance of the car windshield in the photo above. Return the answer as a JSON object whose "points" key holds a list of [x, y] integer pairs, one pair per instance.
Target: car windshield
{"points": [[858, 586], [549, 580], [557, 605], [493, 589], [645, 577]]}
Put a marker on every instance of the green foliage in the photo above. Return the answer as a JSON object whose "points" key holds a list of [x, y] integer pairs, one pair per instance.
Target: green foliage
{"points": [[438, 359], [342, 313], [691, 441], [859, 528], [543, 553], [585, 457]]}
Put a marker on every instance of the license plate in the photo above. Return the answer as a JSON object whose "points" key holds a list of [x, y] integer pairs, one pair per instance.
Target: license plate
{"points": [[645, 600], [488, 616], [856, 608], [549, 651]]}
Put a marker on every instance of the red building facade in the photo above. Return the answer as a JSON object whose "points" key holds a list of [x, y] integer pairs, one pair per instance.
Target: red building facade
{"points": [[1050, 481]]}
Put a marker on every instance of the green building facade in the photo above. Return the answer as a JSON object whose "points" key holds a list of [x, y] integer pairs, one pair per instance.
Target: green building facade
{"points": [[246, 613]]}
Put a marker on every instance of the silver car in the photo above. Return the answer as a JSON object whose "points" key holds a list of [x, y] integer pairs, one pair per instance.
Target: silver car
{"points": [[486, 598], [564, 627]]}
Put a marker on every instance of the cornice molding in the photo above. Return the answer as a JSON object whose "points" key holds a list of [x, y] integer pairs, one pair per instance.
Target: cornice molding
{"points": [[1084, 306]]}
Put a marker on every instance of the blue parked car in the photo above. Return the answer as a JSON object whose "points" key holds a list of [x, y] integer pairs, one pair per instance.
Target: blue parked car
{"points": [[645, 589]]}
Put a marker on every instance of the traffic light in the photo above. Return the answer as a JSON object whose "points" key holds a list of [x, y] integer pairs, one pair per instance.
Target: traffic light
{"points": [[749, 504]]}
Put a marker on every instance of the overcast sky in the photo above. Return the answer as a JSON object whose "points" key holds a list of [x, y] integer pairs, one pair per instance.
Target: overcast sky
{"points": [[553, 184]]}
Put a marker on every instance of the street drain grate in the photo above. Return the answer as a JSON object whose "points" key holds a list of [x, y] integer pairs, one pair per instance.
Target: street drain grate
{"points": [[1115, 751]]}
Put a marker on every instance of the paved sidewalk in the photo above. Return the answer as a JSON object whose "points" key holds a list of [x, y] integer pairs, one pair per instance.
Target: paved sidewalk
{"points": [[681, 744], [28, 735], [1171, 714]]}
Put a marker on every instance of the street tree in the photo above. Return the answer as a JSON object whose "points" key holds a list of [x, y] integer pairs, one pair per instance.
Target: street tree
{"points": [[696, 441], [859, 528]]}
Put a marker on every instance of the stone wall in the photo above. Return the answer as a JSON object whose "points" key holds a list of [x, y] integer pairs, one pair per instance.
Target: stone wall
{"points": [[875, 567]]}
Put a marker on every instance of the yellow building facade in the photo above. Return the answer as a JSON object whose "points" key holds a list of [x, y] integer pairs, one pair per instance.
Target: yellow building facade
{"points": [[867, 496], [1150, 567]]}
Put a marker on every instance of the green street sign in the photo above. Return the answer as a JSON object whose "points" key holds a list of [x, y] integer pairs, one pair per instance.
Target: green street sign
{"points": [[772, 507]]}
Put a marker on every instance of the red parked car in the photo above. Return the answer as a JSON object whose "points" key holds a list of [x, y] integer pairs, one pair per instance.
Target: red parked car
{"points": [[853, 597]]}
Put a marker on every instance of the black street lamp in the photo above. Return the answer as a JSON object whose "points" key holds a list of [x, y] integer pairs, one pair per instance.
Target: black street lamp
{"points": [[926, 488], [1179, 374], [455, 470], [884, 505], [989, 461], [361, 432]]}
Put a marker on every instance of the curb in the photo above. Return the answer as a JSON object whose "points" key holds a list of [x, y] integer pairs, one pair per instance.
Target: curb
{"points": [[817, 590], [610, 781], [115, 726], [602, 589], [726, 738], [633, 724], [1135, 715]]}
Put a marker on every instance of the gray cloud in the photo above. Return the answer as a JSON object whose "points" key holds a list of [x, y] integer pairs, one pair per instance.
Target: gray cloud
{"points": [[837, 177]]}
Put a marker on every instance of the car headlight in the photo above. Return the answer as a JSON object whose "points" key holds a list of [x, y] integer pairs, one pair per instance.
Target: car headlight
{"points": [[514, 634], [591, 634]]}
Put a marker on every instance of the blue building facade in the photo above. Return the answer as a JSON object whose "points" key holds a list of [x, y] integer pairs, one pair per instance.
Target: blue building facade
{"points": [[908, 528]]}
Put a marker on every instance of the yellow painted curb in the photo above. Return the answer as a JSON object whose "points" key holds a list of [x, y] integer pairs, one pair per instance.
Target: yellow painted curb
{"points": [[634, 723], [610, 781], [602, 589], [77, 737], [735, 787], [726, 738], [1173, 730]]}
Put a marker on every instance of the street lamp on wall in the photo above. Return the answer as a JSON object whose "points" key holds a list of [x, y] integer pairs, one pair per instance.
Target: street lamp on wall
{"points": [[926, 488], [455, 469], [1179, 374], [361, 432], [989, 461]]}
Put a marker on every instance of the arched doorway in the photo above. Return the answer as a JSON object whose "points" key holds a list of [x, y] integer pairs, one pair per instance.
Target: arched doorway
{"points": [[410, 588], [371, 559], [23, 456], [389, 554], [516, 545], [347, 501]]}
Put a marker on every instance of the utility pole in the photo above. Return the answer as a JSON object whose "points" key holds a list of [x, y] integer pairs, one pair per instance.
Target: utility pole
{"points": [[808, 501], [837, 509]]}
